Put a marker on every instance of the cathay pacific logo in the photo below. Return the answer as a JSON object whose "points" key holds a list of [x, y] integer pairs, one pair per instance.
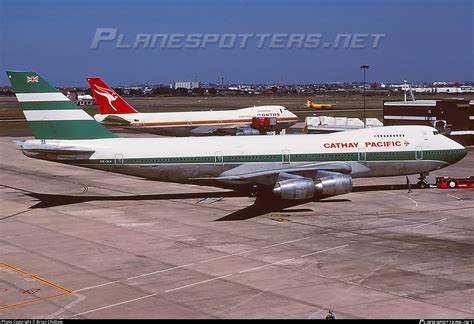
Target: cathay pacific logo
{"points": [[108, 94]]}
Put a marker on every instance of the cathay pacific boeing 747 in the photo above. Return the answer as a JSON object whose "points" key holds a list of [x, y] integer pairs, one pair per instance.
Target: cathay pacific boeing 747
{"points": [[290, 167]]}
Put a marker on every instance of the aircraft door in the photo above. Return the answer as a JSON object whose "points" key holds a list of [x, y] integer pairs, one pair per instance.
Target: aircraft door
{"points": [[118, 161], [361, 155], [419, 153], [285, 156], [219, 158]]}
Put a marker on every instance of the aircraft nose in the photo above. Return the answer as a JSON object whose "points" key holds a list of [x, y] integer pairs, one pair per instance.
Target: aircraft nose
{"points": [[463, 153], [459, 153]]}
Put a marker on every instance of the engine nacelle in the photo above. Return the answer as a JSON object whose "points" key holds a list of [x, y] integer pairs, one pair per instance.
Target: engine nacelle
{"points": [[246, 131], [294, 189], [333, 183]]}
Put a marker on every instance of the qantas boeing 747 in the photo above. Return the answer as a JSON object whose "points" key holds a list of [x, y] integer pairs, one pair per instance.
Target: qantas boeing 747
{"points": [[115, 111]]}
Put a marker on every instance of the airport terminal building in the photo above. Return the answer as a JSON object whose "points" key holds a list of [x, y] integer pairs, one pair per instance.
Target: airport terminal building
{"points": [[452, 117]]}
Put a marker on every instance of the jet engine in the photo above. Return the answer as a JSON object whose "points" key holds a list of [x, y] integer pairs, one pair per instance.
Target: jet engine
{"points": [[333, 183], [294, 189], [326, 183], [246, 131]]}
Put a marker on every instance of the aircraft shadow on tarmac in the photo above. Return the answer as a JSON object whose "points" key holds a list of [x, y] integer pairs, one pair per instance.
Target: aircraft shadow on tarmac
{"points": [[260, 207]]}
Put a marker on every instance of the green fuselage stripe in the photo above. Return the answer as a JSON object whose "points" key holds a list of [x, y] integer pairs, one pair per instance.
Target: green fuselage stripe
{"points": [[449, 156]]}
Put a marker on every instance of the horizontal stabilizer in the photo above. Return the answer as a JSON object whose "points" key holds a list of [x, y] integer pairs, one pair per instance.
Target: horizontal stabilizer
{"points": [[52, 148]]}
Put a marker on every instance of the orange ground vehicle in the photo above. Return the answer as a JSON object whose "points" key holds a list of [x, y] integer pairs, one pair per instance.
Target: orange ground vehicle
{"points": [[452, 183]]}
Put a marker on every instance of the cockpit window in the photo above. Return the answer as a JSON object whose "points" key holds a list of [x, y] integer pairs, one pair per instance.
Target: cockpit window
{"points": [[435, 132]]}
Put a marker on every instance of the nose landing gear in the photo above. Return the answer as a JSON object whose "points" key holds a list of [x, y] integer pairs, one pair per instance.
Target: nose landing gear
{"points": [[422, 184]]}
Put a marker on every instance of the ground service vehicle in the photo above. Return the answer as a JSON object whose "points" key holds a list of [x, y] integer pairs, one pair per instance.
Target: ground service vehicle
{"points": [[452, 183]]}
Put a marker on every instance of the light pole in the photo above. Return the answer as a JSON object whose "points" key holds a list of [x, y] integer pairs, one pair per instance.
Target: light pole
{"points": [[364, 67]]}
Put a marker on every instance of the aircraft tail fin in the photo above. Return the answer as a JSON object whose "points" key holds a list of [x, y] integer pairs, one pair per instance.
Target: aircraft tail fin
{"points": [[107, 99], [309, 102], [50, 114]]}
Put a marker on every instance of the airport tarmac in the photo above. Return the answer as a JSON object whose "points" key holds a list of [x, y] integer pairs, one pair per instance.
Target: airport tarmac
{"points": [[132, 248]]}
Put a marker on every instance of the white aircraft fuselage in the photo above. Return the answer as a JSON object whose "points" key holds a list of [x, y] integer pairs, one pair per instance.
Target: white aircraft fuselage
{"points": [[199, 123], [235, 161]]}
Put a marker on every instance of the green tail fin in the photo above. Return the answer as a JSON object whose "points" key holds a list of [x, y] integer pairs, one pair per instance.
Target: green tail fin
{"points": [[50, 113]]}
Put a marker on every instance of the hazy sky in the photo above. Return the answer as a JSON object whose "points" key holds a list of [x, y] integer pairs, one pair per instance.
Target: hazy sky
{"points": [[427, 40]]}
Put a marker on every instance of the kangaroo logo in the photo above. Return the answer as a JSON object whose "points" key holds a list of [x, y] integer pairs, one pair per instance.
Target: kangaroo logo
{"points": [[108, 94]]}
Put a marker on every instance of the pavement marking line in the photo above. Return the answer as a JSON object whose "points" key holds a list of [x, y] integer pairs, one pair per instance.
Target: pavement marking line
{"points": [[269, 288], [413, 200], [197, 283], [228, 256], [97, 286], [65, 291], [32, 301], [135, 277], [265, 247], [334, 248], [352, 285], [49, 283], [113, 305], [269, 246], [266, 265], [373, 222], [79, 299], [437, 221], [190, 264], [454, 196], [164, 270]]}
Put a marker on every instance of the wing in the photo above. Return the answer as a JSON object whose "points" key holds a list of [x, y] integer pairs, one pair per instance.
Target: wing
{"points": [[265, 176], [211, 129], [204, 130], [114, 120], [231, 129], [61, 152]]}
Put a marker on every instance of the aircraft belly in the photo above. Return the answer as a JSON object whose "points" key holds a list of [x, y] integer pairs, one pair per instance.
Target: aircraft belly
{"points": [[182, 131], [283, 125], [166, 131], [168, 172], [393, 168], [182, 173]]}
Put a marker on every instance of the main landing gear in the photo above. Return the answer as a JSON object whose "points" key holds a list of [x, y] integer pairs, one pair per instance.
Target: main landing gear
{"points": [[422, 184]]}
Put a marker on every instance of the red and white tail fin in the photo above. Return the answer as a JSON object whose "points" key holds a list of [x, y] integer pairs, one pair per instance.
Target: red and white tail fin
{"points": [[108, 100], [309, 102]]}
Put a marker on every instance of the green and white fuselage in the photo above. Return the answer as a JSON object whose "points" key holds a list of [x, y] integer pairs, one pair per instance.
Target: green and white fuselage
{"points": [[293, 166], [420, 150]]}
